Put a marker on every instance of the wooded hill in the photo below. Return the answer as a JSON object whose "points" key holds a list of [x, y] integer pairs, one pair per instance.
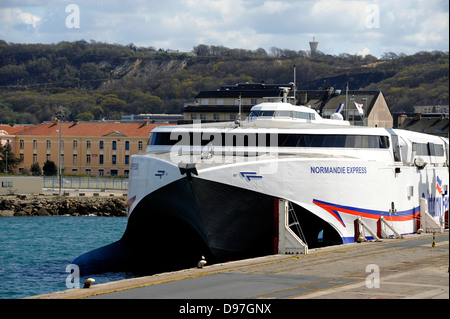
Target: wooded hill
{"points": [[93, 80]]}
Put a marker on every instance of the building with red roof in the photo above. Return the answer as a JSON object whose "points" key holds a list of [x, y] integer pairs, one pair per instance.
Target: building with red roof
{"points": [[91, 148]]}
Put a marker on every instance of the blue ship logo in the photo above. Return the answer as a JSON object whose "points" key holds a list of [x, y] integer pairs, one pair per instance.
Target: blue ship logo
{"points": [[250, 175], [160, 174]]}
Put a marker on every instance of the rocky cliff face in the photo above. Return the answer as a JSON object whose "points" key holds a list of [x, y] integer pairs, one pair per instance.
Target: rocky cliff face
{"points": [[61, 206], [145, 67]]}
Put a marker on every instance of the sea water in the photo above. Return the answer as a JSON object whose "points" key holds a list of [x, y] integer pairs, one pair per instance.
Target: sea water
{"points": [[35, 251]]}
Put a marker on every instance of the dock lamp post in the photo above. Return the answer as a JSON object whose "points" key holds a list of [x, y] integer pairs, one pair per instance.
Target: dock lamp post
{"points": [[59, 117]]}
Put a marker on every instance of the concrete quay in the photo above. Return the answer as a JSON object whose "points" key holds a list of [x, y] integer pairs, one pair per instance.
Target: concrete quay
{"points": [[408, 268]]}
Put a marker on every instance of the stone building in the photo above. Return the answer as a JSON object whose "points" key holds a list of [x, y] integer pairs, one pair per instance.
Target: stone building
{"points": [[91, 148]]}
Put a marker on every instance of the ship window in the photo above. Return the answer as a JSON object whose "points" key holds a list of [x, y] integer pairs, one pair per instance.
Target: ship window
{"points": [[436, 149], [266, 113], [428, 149], [439, 150], [264, 139], [396, 148], [283, 114], [254, 113], [420, 149]]}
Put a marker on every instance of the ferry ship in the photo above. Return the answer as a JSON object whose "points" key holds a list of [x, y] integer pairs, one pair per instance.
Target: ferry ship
{"points": [[212, 189]]}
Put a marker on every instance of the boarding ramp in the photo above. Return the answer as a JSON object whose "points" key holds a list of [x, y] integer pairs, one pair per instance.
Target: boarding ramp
{"points": [[427, 222], [288, 241]]}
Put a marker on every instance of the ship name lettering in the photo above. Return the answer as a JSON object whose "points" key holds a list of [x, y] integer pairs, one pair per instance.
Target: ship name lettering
{"points": [[338, 170]]}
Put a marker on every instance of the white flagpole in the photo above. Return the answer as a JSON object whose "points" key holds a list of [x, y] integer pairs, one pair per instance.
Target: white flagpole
{"points": [[295, 85], [346, 102]]}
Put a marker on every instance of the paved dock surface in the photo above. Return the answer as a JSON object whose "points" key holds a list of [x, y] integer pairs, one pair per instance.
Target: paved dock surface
{"points": [[408, 268]]}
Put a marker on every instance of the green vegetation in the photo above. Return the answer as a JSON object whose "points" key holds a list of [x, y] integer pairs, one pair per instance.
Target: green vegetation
{"points": [[7, 158], [94, 80]]}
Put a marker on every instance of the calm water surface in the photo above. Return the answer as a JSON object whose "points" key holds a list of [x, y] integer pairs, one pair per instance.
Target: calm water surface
{"points": [[34, 251]]}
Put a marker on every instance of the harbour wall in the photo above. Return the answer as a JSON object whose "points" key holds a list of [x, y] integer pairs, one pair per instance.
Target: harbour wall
{"points": [[62, 206]]}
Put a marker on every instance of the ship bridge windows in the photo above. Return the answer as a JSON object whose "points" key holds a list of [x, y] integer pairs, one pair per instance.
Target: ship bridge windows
{"points": [[333, 140], [266, 139], [283, 114]]}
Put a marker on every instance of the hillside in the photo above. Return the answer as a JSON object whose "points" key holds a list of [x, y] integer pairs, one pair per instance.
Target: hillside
{"points": [[98, 80]]}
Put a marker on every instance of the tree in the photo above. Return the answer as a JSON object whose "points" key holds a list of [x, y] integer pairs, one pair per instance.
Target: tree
{"points": [[86, 116], [49, 168], [7, 156], [36, 169]]}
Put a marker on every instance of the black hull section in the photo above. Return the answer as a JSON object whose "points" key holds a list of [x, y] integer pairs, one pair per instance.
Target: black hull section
{"points": [[173, 227]]}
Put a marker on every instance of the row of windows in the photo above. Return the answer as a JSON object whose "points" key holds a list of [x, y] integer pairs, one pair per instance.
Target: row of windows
{"points": [[290, 114], [75, 159], [88, 145], [265, 139], [428, 149], [216, 116], [101, 172]]}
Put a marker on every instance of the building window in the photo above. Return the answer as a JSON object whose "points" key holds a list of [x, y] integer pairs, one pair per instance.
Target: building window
{"points": [[21, 157], [62, 159], [101, 145], [35, 144], [126, 172], [114, 145], [232, 116], [74, 170], [100, 159], [114, 159], [114, 172], [88, 159], [127, 159], [217, 117], [193, 116], [140, 144], [75, 144], [101, 172], [88, 145], [34, 158], [48, 157], [22, 144], [127, 145], [75, 158], [49, 144], [202, 116], [219, 102], [88, 171]]}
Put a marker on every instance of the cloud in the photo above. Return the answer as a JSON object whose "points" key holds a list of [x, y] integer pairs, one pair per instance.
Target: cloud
{"points": [[15, 16], [340, 26]]}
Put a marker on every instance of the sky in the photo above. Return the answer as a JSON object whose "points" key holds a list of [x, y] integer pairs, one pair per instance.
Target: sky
{"points": [[339, 26]]}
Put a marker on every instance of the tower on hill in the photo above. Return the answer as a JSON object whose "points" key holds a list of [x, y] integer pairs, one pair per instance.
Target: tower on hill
{"points": [[313, 45]]}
